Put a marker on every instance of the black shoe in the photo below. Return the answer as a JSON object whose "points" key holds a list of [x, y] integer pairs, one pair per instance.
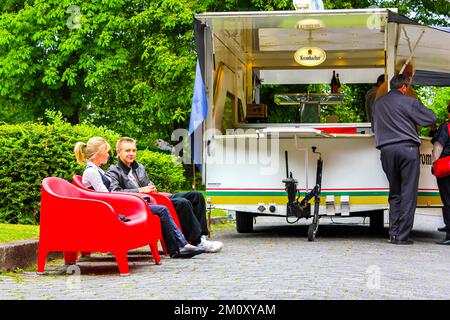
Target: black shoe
{"points": [[404, 242], [445, 242], [187, 253], [442, 229]]}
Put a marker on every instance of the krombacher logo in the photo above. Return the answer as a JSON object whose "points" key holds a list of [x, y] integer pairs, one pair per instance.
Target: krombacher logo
{"points": [[310, 56]]}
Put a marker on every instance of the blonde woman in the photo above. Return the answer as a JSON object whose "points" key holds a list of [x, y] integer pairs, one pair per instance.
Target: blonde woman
{"points": [[94, 153]]}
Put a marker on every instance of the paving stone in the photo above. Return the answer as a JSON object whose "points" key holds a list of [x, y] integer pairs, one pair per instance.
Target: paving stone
{"points": [[274, 262]]}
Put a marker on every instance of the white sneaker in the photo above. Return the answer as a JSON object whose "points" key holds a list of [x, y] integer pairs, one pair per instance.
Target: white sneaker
{"points": [[210, 246]]}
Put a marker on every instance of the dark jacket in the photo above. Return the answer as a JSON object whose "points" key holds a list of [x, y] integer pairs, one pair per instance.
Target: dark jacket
{"points": [[120, 181], [395, 117], [443, 138]]}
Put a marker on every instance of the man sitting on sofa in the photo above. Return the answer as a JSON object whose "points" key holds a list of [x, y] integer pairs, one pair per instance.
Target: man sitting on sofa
{"points": [[129, 176]]}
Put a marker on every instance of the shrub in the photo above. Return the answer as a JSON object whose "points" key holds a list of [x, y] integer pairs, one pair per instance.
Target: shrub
{"points": [[31, 152], [167, 175]]}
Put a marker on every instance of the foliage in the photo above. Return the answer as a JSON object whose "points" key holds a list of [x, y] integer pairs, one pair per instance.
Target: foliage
{"points": [[127, 65], [431, 12], [250, 5], [280, 114], [351, 110], [437, 100], [165, 173], [434, 12], [353, 107], [33, 151]]}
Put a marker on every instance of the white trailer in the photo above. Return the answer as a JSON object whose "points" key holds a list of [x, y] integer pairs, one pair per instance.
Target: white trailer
{"points": [[244, 162]]}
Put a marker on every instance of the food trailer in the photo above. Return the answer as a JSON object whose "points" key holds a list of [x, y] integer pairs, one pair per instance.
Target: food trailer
{"points": [[317, 166]]}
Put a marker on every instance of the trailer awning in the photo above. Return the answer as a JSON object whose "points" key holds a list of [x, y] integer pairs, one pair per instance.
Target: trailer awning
{"points": [[431, 56]]}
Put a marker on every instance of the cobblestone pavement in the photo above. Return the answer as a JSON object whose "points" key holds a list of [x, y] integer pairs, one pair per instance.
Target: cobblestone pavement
{"points": [[274, 262]]}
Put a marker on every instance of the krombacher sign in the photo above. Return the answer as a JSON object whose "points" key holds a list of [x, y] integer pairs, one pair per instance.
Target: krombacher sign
{"points": [[310, 56]]}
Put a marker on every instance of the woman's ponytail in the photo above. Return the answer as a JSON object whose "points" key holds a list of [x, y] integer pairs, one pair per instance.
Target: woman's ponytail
{"points": [[79, 152]]}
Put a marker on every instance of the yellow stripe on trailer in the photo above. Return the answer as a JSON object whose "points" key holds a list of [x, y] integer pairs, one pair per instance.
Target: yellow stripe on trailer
{"points": [[252, 200], [355, 199]]}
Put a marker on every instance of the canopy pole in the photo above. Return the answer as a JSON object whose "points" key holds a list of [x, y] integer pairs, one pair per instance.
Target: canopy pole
{"points": [[390, 51], [411, 51]]}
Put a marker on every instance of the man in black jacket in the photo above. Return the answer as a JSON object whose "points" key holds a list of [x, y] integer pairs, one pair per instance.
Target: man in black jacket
{"points": [[129, 176], [396, 118]]}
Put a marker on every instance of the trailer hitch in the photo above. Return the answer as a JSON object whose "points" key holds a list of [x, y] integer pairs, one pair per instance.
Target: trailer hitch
{"points": [[302, 208]]}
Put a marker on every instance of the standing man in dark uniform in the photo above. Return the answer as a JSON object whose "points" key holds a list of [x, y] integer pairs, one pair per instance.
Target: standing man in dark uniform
{"points": [[396, 118]]}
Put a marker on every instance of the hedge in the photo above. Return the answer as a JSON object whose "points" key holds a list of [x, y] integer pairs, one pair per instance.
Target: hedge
{"points": [[32, 151], [162, 170]]}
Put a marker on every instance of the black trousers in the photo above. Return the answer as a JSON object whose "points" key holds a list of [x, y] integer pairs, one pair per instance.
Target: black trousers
{"points": [[191, 210], [400, 162], [444, 190]]}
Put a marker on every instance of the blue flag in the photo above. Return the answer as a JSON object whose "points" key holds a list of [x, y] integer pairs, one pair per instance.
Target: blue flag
{"points": [[199, 110], [316, 5]]}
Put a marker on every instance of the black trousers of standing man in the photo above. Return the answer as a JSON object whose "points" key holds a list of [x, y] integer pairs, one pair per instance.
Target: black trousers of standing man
{"points": [[401, 164]]}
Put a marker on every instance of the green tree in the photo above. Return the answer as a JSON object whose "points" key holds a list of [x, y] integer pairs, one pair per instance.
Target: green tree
{"points": [[436, 99], [125, 64], [433, 12]]}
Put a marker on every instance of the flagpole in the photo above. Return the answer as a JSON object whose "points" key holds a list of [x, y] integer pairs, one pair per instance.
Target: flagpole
{"points": [[194, 185]]}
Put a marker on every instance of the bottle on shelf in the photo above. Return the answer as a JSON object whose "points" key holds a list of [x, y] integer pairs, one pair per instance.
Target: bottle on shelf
{"points": [[338, 83], [333, 83]]}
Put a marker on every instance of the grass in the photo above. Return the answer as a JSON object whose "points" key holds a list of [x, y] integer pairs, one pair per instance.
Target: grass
{"points": [[219, 227], [217, 213], [14, 232]]}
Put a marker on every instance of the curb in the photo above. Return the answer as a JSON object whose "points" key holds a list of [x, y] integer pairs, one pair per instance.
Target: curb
{"points": [[21, 254]]}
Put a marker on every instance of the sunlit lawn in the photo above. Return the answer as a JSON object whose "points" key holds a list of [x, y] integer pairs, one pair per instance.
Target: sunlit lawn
{"points": [[14, 232]]}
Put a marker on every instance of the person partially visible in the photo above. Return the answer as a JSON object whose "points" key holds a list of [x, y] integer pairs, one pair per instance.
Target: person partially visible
{"points": [[408, 72], [395, 120], [441, 149], [130, 176], [370, 97], [94, 153]]}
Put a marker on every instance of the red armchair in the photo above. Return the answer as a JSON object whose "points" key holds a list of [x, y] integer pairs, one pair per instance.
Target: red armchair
{"points": [[77, 181], [163, 200], [160, 198], [74, 220]]}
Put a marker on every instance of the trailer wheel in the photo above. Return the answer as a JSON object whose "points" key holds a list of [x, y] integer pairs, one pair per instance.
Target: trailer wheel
{"points": [[244, 222], [312, 229], [376, 223]]}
